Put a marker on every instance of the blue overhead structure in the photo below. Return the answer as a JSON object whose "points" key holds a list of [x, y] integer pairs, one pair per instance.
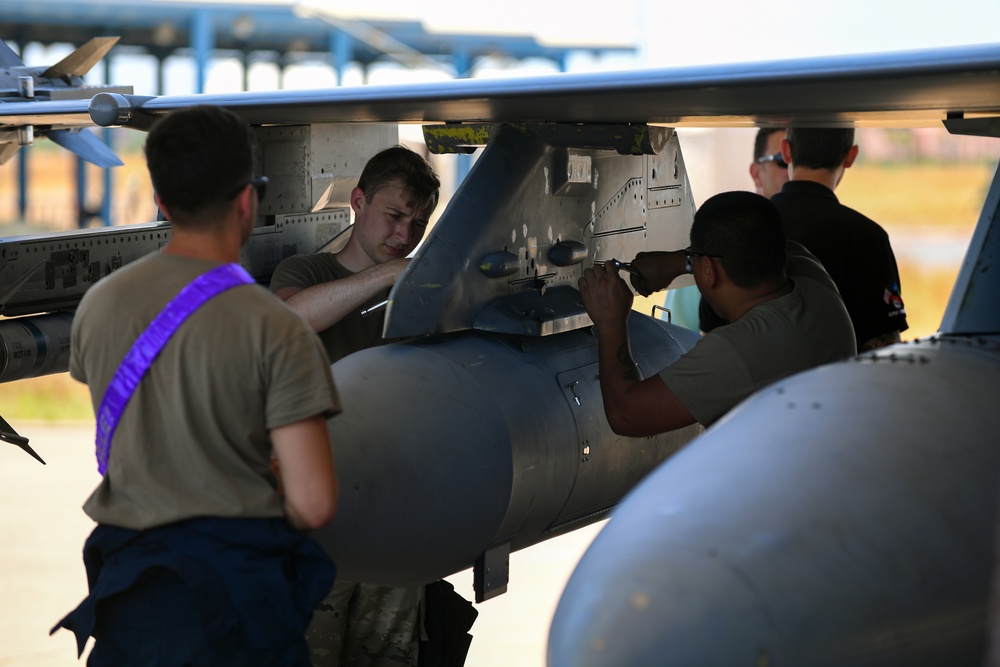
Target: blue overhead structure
{"points": [[281, 33], [284, 34]]}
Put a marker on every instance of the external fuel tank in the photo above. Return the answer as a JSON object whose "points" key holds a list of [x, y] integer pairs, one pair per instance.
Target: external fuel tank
{"points": [[455, 447]]}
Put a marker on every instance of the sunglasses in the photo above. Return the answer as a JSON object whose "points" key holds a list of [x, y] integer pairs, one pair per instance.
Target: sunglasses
{"points": [[775, 158], [688, 254], [258, 183]]}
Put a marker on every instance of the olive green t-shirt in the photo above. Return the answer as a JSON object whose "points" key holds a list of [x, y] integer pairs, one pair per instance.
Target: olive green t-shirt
{"points": [[352, 333], [805, 328], [194, 438]]}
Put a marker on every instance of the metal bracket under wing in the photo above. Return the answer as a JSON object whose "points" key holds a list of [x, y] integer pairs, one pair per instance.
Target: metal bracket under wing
{"points": [[542, 203]]}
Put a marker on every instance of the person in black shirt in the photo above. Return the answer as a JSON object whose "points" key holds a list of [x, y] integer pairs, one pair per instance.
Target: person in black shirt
{"points": [[854, 249]]}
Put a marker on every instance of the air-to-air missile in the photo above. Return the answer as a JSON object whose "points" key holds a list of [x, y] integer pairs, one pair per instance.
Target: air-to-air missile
{"points": [[39, 90]]}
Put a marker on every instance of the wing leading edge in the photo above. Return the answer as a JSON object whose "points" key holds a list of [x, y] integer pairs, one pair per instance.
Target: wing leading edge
{"points": [[901, 89]]}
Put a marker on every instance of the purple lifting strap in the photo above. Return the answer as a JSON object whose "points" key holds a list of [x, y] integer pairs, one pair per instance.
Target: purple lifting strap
{"points": [[148, 346]]}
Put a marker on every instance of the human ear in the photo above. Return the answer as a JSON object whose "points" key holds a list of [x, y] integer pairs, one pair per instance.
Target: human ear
{"points": [[711, 271], [159, 205], [852, 155], [358, 200], [755, 175], [786, 151], [245, 203]]}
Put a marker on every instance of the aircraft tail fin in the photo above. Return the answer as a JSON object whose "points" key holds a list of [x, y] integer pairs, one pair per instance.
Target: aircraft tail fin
{"points": [[8, 434], [8, 150], [87, 145], [80, 61], [7, 56]]}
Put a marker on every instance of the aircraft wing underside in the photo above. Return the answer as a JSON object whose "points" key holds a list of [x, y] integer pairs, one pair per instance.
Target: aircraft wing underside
{"points": [[902, 89]]}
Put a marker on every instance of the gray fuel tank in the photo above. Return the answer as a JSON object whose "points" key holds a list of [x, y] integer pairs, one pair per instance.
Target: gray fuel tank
{"points": [[451, 445]]}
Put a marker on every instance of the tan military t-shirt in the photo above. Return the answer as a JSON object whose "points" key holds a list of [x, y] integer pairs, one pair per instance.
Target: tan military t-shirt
{"points": [[193, 440], [353, 332], [775, 339]]}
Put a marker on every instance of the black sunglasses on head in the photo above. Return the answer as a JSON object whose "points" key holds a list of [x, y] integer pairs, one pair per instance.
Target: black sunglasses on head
{"points": [[775, 158], [258, 183]]}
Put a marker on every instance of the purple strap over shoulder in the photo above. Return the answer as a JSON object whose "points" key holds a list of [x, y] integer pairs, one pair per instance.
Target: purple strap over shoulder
{"points": [[148, 346]]}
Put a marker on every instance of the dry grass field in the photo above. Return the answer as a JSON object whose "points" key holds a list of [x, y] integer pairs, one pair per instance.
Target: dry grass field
{"points": [[929, 212]]}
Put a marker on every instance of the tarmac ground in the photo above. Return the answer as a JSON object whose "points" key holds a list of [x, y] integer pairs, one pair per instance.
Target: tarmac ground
{"points": [[41, 572]]}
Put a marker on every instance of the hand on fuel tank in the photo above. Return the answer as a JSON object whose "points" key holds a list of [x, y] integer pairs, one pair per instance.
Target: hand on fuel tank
{"points": [[606, 296]]}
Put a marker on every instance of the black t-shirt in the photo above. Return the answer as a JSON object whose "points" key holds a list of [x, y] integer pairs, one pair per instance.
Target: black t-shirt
{"points": [[855, 252]]}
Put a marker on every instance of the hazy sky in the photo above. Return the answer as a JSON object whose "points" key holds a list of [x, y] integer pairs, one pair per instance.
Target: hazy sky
{"points": [[668, 33], [703, 31]]}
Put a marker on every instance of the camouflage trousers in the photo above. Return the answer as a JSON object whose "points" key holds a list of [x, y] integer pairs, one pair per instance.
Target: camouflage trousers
{"points": [[361, 625]]}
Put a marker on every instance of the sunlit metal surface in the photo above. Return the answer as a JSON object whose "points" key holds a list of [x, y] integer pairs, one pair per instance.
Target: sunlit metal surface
{"points": [[825, 521], [911, 88]]}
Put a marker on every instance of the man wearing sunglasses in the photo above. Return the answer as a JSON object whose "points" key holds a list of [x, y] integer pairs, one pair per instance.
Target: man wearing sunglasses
{"points": [[768, 170], [854, 249], [784, 311], [197, 375]]}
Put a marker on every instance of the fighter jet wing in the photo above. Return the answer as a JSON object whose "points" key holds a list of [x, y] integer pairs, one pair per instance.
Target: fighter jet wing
{"points": [[901, 89]]}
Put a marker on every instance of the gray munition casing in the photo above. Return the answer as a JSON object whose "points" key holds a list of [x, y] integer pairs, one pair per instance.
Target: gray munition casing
{"points": [[485, 432], [516, 450]]}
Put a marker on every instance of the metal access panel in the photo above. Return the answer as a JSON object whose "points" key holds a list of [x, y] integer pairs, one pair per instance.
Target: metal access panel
{"points": [[51, 271], [609, 465], [314, 167], [48, 272], [542, 203]]}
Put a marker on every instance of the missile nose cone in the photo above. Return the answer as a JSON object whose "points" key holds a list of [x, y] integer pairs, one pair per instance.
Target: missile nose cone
{"points": [[661, 608], [110, 109]]}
